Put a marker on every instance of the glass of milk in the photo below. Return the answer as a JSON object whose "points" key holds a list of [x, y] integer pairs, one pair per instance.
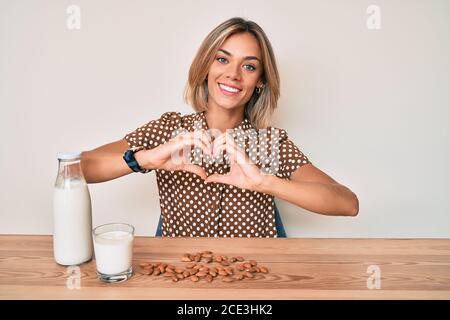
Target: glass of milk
{"points": [[113, 247]]}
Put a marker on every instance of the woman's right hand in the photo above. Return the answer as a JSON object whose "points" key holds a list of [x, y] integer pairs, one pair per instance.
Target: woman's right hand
{"points": [[174, 155]]}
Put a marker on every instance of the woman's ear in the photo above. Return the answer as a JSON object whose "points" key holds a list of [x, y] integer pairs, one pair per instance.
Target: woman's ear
{"points": [[260, 83]]}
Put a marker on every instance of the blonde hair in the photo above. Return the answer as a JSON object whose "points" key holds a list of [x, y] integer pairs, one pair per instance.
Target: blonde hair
{"points": [[260, 107]]}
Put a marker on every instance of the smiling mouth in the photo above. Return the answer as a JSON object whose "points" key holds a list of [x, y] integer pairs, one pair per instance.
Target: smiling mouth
{"points": [[228, 91]]}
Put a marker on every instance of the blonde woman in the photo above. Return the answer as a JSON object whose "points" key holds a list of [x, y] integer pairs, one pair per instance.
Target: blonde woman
{"points": [[219, 169]]}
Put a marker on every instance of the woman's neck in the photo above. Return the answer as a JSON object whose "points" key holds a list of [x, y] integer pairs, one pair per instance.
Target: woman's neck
{"points": [[223, 119]]}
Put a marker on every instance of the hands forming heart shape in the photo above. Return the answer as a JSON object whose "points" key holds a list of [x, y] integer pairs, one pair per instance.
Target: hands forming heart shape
{"points": [[174, 156]]}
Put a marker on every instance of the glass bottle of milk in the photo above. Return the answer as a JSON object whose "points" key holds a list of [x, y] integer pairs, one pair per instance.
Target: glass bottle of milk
{"points": [[72, 218]]}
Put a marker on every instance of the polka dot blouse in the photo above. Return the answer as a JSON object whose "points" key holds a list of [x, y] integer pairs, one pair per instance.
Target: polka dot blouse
{"points": [[191, 207]]}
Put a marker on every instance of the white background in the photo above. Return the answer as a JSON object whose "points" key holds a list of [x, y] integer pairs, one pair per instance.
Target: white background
{"points": [[369, 107]]}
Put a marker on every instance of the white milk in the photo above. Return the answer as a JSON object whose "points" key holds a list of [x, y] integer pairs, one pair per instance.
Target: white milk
{"points": [[72, 237], [113, 251]]}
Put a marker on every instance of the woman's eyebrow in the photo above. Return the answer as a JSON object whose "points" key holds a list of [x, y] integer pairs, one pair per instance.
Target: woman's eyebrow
{"points": [[245, 58]]}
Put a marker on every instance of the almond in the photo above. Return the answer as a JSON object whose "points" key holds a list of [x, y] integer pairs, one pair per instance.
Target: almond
{"points": [[186, 259], [264, 270], [229, 270], [212, 273], [194, 278], [193, 271], [147, 272], [238, 277], [208, 260], [214, 269], [223, 272]]}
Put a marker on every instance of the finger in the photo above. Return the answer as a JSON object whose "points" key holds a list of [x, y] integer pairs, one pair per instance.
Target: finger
{"points": [[189, 141], [219, 150], [237, 155], [206, 138], [181, 151], [220, 140], [194, 169], [190, 137], [218, 178], [203, 136]]}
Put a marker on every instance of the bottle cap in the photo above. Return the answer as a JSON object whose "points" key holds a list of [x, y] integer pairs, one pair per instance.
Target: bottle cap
{"points": [[69, 156]]}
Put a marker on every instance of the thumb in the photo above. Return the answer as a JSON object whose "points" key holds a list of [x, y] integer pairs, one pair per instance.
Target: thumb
{"points": [[195, 169], [218, 178]]}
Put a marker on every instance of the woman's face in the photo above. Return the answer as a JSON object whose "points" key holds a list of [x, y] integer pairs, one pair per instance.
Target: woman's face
{"points": [[235, 72]]}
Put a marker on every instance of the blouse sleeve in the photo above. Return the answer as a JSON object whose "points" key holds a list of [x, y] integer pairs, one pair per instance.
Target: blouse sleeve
{"points": [[155, 132], [290, 156]]}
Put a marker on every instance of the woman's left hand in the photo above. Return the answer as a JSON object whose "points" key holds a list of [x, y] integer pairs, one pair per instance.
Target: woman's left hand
{"points": [[243, 172]]}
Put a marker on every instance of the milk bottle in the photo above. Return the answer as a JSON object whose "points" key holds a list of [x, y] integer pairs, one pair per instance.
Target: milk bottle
{"points": [[72, 219]]}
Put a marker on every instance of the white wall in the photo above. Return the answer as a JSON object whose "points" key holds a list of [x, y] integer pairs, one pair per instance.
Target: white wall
{"points": [[369, 107]]}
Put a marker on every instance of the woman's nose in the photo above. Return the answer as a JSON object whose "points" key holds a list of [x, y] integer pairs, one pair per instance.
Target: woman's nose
{"points": [[233, 71]]}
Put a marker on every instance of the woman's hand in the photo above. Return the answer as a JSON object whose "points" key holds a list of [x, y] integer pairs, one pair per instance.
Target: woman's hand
{"points": [[243, 172], [175, 154]]}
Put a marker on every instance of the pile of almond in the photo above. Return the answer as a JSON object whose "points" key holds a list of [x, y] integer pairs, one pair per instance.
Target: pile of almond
{"points": [[206, 265]]}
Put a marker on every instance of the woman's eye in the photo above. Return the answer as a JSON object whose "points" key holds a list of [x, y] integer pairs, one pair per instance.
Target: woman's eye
{"points": [[249, 67]]}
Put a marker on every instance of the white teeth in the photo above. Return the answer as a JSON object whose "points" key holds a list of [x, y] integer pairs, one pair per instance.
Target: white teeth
{"points": [[229, 89]]}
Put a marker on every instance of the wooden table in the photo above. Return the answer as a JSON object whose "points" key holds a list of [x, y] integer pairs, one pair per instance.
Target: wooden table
{"points": [[299, 269]]}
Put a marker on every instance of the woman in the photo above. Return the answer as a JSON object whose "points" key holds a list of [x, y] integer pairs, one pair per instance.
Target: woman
{"points": [[226, 183]]}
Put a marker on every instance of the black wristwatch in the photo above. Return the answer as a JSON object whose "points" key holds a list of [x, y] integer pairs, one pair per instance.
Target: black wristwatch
{"points": [[129, 158]]}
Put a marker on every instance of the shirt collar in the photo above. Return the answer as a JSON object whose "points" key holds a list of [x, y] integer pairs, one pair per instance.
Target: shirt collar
{"points": [[200, 123]]}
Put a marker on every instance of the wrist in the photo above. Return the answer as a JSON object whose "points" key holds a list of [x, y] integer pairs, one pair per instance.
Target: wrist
{"points": [[143, 159], [267, 184]]}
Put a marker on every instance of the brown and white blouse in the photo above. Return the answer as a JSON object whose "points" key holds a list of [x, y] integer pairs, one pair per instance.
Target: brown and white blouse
{"points": [[191, 207]]}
